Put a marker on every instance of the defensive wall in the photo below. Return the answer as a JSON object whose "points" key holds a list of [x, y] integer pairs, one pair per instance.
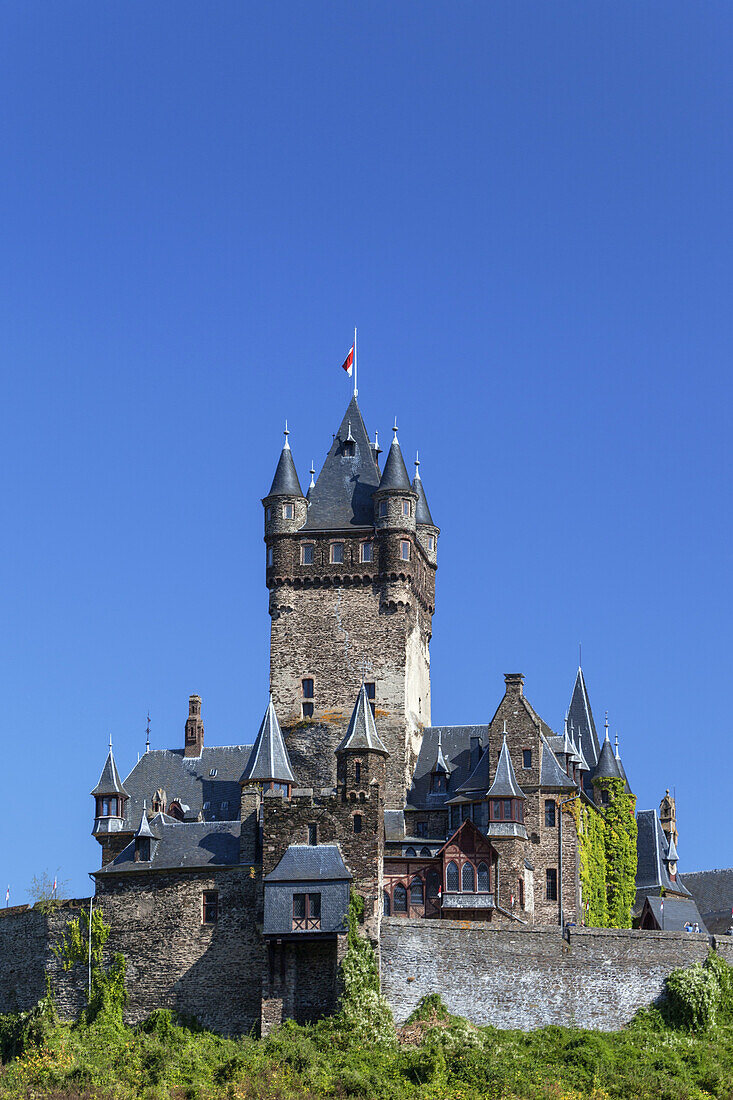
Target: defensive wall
{"points": [[511, 978], [529, 978]]}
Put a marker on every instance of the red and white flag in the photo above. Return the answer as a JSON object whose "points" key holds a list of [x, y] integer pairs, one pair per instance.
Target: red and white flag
{"points": [[348, 363], [7, 895], [54, 884]]}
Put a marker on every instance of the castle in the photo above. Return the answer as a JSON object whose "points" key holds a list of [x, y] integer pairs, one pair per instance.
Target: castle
{"points": [[236, 863]]}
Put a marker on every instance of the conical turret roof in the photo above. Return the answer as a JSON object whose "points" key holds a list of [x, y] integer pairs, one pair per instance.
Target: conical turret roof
{"points": [[581, 716], [671, 856], [395, 471], [362, 733], [505, 781], [621, 768], [422, 511], [143, 829], [607, 765], [342, 495], [285, 482], [440, 764], [269, 760], [109, 780]]}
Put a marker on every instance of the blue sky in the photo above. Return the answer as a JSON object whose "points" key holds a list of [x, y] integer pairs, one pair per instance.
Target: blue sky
{"points": [[526, 209]]}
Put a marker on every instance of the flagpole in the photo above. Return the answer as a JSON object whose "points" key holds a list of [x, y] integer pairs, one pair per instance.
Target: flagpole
{"points": [[356, 392]]}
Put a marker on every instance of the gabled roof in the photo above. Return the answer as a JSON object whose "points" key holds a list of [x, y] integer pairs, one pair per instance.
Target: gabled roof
{"points": [[551, 774], [362, 736], [310, 863], [422, 511], [143, 828], [269, 760], [342, 495], [607, 767], [505, 782], [713, 892], [109, 780], [581, 716], [395, 471], [456, 746], [651, 851], [285, 482], [671, 914]]}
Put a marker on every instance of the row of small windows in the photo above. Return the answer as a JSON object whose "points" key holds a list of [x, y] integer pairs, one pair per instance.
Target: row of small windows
{"points": [[308, 691], [498, 809], [336, 553], [411, 853]]}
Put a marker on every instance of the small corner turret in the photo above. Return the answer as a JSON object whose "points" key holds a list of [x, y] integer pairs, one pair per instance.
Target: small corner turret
{"points": [[110, 797], [286, 507], [427, 532], [395, 501], [194, 735], [361, 754]]}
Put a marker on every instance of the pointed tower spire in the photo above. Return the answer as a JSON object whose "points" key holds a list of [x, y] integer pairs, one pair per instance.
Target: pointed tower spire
{"points": [[505, 781], [607, 765], [285, 482], [109, 780], [147, 734], [395, 471], [269, 761], [581, 715], [440, 764], [422, 511], [341, 497], [362, 733]]}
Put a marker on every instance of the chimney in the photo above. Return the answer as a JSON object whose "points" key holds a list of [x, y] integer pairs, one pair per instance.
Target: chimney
{"points": [[514, 683], [194, 741]]}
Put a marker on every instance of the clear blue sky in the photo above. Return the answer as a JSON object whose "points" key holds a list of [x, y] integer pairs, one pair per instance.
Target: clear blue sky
{"points": [[526, 208]]}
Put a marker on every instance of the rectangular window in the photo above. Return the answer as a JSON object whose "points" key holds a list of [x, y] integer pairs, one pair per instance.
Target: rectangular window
{"points": [[312, 834], [357, 823], [405, 507], [431, 542], [308, 687], [287, 511], [422, 828], [405, 550], [268, 514], [526, 758], [551, 884], [367, 549], [269, 555], [306, 553], [464, 811], [337, 553], [507, 809], [382, 509], [306, 911], [549, 813], [454, 817], [307, 710], [211, 906], [357, 771]]}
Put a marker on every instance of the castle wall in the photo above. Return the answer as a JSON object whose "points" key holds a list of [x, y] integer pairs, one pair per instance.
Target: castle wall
{"points": [[27, 936], [530, 978]]}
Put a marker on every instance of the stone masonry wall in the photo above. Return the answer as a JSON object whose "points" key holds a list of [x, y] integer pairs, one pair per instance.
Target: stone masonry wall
{"points": [[26, 939], [530, 978]]}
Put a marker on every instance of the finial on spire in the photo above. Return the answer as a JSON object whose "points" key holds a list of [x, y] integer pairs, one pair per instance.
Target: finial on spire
{"points": [[147, 735], [616, 747], [606, 724], [417, 464], [505, 727], [394, 429], [110, 742], [313, 475], [286, 433]]}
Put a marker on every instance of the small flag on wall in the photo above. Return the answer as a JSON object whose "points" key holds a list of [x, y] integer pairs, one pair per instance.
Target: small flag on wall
{"points": [[348, 363], [7, 895]]}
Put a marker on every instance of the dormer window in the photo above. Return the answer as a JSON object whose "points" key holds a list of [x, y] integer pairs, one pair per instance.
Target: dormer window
{"points": [[349, 449], [439, 784], [287, 511]]}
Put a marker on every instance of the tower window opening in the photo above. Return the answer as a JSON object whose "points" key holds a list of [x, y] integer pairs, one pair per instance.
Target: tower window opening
{"points": [[526, 758], [382, 509], [268, 514], [210, 906], [551, 884], [312, 834], [306, 553], [349, 449], [287, 511], [405, 507], [308, 687], [439, 785], [521, 893], [405, 550], [308, 710], [431, 543], [269, 555], [337, 553], [367, 551], [550, 817], [358, 821], [357, 771]]}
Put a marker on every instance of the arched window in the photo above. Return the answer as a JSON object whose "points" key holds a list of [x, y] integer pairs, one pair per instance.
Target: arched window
{"points": [[399, 899], [416, 892], [451, 877], [432, 883], [385, 903], [424, 851], [468, 879], [410, 852], [483, 878]]}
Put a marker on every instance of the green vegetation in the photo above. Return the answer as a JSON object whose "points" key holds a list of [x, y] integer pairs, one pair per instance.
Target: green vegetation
{"points": [[680, 1051], [607, 856]]}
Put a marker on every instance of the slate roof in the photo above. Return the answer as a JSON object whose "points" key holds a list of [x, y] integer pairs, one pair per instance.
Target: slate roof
{"points": [[505, 782], [285, 482], [182, 845], [551, 774], [342, 496], [269, 759], [479, 781], [188, 780], [713, 892], [309, 863], [581, 716], [607, 767], [621, 768], [422, 511], [109, 780], [440, 765], [651, 849], [395, 471], [362, 732], [672, 915]]}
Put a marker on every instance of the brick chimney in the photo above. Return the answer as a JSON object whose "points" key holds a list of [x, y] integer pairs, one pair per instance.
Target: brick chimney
{"points": [[194, 741], [514, 683]]}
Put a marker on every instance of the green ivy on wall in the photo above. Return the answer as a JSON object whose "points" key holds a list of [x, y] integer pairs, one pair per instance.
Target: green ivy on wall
{"points": [[607, 841]]}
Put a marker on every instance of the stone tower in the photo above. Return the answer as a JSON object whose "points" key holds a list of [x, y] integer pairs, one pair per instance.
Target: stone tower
{"points": [[351, 575]]}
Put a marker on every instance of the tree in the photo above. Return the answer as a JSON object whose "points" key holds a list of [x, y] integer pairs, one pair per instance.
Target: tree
{"points": [[41, 887]]}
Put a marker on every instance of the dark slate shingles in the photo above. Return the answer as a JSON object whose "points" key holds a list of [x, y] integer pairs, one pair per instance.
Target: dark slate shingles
{"points": [[109, 780], [310, 863], [181, 846], [342, 495]]}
